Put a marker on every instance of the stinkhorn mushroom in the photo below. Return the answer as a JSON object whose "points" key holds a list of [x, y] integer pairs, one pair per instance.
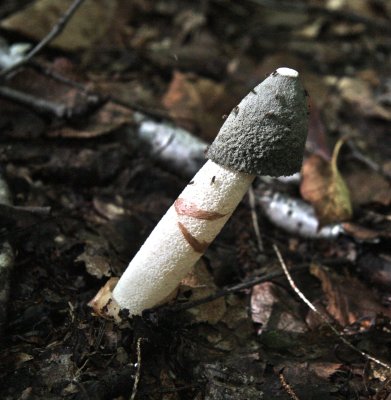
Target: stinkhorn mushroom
{"points": [[264, 135]]}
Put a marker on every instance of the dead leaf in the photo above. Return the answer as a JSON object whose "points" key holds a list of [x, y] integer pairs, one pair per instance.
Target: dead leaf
{"points": [[348, 300], [362, 233], [95, 255], [274, 309], [375, 268], [167, 384], [200, 284], [376, 189], [108, 208], [360, 95], [19, 122], [104, 121], [197, 104], [90, 22], [323, 186]]}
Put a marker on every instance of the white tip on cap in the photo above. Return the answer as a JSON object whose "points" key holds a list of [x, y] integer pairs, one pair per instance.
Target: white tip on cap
{"points": [[288, 72]]}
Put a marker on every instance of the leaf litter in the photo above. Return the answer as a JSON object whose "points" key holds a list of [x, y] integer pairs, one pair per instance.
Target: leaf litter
{"points": [[186, 64]]}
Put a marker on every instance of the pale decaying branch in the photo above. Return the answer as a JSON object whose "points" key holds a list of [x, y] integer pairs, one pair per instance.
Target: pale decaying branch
{"points": [[294, 215], [264, 135], [178, 149]]}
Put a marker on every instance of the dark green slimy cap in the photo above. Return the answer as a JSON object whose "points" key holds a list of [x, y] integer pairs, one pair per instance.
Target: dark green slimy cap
{"points": [[266, 133]]}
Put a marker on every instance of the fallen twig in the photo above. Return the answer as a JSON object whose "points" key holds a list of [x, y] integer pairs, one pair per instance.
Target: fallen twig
{"points": [[287, 387], [45, 107], [34, 103], [55, 76], [16, 212], [370, 163], [138, 371], [323, 317], [225, 291], [56, 30]]}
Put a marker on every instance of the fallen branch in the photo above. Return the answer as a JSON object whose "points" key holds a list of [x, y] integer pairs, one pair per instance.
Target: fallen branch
{"points": [[14, 213], [224, 292], [46, 107], [38, 105], [56, 30]]}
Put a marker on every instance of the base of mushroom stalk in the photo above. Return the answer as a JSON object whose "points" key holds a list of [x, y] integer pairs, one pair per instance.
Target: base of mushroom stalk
{"points": [[103, 303], [197, 284], [106, 307]]}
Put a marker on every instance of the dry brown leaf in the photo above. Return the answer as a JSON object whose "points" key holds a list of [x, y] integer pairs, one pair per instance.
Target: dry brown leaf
{"points": [[348, 300], [20, 121], [89, 24], [376, 269], [197, 104], [359, 94], [362, 233], [107, 119], [323, 186], [376, 189], [95, 256], [274, 309], [167, 383], [200, 282]]}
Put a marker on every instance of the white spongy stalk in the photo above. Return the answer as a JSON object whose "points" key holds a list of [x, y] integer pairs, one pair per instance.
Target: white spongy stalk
{"points": [[181, 237]]}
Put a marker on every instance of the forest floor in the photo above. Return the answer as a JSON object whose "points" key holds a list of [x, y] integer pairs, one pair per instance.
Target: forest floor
{"points": [[87, 184]]}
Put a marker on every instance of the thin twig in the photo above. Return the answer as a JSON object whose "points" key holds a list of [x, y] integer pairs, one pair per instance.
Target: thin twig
{"points": [[46, 107], [57, 77], [18, 212], [373, 165], [153, 112], [254, 217], [39, 105], [226, 291], [287, 387], [56, 30], [323, 317], [138, 371]]}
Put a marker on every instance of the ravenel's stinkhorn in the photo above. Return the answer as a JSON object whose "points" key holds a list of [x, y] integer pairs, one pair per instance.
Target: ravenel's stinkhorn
{"points": [[264, 135]]}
